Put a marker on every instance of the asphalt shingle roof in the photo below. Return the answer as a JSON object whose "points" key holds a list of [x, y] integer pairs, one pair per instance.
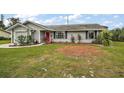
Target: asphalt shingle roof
{"points": [[77, 27]]}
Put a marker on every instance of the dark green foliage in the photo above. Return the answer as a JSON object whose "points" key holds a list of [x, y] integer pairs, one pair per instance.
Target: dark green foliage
{"points": [[29, 40], [118, 34], [72, 39], [25, 40], [13, 21], [21, 40], [104, 38], [2, 26], [79, 38], [4, 38]]}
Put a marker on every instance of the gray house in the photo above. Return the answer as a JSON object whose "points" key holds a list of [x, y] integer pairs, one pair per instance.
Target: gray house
{"points": [[56, 33]]}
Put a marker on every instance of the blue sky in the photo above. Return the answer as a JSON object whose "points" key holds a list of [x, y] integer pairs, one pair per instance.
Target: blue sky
{"points": [[110, 20]]}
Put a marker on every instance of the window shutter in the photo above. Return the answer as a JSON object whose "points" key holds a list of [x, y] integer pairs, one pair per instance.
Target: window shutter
{"points": [[54, 35], [95, 34], [65, 34], [86, 34]]}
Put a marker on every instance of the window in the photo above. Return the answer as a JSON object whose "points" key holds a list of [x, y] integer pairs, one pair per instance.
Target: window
{"points": [[91, 35], [60, 35]]}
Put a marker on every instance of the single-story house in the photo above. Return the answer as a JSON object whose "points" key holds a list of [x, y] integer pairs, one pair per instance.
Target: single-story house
{"points": [[56, 33], [5, 34]]}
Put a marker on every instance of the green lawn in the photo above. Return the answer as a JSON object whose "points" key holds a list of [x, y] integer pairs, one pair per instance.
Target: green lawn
{"points": [[46, 61], [4, 41]]}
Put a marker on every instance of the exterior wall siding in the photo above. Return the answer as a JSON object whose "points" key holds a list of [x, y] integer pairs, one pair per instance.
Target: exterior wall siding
{"points": [[38, 34], [19, 31], [4, 34], [75, 35], [42, 34]]}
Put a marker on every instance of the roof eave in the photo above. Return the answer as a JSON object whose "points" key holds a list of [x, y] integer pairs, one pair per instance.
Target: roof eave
{"points": [[17, 24]]}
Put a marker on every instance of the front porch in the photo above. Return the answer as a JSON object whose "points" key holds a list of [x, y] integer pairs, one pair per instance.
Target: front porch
{"points": [[43, 37]]}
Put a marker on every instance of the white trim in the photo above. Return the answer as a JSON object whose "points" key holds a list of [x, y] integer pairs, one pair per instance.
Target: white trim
{"points": [[17, 24], [39, 36]]}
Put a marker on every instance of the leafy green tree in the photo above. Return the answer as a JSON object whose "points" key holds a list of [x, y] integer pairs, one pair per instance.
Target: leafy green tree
{"points": [[2, 26], [105, 38], [13, 21], [118, 34]]}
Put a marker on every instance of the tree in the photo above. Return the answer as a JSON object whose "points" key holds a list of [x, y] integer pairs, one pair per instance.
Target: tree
{"points": [[2, 26], [118, 34], [13, 21], [105, 38]]}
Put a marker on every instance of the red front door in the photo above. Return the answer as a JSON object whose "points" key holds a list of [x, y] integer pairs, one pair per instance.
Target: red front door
{"points": [[47, 36]]}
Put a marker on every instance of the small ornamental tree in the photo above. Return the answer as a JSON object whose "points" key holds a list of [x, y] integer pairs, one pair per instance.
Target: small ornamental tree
{"points": [[105, 38], [72, 39], [21, 40], [79, 38]]}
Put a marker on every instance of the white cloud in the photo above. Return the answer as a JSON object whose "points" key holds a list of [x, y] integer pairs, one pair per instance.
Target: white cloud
{"points": [[88, 17], [6, 22], [118, 25], [95, 14], [24, 17], [107, 22], [71, 17], [51, 21], [115, 16], [74, 16]]}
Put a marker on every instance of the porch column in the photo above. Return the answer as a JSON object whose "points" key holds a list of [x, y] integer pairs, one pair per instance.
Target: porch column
{"points": [[50, 36], [39, 37], [12, 36]]}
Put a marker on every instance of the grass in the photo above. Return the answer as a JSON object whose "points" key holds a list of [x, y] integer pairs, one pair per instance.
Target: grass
{"points": [[45, 61], [4, 41]]}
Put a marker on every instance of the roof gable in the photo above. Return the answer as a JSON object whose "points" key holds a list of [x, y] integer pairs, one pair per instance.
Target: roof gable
{"points": [[16, 25], [36, 24]]}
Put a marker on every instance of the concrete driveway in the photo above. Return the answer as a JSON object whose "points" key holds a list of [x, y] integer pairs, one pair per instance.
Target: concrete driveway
{"points": [[10, 45]]}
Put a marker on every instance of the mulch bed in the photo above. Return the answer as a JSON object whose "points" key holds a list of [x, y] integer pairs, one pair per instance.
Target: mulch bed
{"points": [[81, 50]]}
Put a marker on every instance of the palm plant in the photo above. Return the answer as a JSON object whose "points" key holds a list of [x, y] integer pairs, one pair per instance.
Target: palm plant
{"points": [[105, 38]]}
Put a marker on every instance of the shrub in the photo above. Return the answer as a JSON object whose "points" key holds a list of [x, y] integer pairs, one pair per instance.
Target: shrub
{"points": [[104, 38], [29, 39], [79, 38], [21, 40], [4, 38], [72, 39]]}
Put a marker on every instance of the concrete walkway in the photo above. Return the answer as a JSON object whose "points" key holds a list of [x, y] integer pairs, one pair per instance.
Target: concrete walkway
{"points": [[10, 45]]}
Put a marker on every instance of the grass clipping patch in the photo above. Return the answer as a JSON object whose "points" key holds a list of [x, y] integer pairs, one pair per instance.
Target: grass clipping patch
{"points": [[81, 50]]}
